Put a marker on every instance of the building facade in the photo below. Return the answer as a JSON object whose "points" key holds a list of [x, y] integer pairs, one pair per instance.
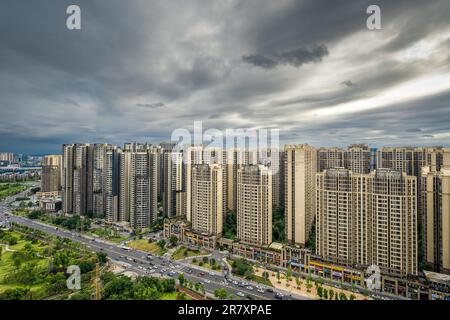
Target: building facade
{"points": [[365, 219], [300, 167], [254, 205]]}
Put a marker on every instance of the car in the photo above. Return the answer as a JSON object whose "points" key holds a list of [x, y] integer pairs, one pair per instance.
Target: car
{"points": [[270, 290], [235, 282], [207, 281], [201, 274], [240, 294], [261, 290], [250, 297], [250, 288], [279, 296]]}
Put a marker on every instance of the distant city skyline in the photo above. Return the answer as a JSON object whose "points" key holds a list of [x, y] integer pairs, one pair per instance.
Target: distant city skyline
{"points": [[138, 70]]}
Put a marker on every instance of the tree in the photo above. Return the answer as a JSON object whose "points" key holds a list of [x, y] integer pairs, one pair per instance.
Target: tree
{"points": [[342, 296], [161, 243], [278, 276], [289, 273], [352, 297], [102, 257], [325, 294], [308, 285], [331, 294], [205, 259], [173, 241], [14, 294], [265, 275], [181, 296], [182, 279], [319, 292], [221, 294], [298, 282]]}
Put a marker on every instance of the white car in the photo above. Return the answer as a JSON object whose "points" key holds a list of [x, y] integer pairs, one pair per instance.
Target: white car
{"points": [[240, 294], [249, 287], [207, 281], [261, 290]]}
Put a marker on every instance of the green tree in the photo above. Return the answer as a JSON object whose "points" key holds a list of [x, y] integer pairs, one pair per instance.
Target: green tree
{"points": [[325, 294], [278, 276], [221, 294], [331, 294], [182, 279], [102, 257], [352, 297], [308, 285], [14, 294], [161, 243], [173, 241], [319, 292]]}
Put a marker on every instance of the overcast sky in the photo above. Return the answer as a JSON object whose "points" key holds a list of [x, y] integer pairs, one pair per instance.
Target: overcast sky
{"points": [[137, 70]]}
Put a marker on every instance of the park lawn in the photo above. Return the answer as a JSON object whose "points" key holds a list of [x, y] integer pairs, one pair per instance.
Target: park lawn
{"points": [[169, 296], [184, 252], [6, 263], [38, 291], [9, 189], [144, 245], [106, 234]]}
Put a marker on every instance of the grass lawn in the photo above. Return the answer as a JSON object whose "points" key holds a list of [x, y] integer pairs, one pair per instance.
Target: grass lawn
{"points": [[107, 234], [184, 252], [169, 296], [7, 267], [144, 245], [9, 189]]}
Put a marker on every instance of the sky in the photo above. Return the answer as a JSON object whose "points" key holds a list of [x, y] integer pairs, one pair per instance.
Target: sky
{"points": [[138, 70]]}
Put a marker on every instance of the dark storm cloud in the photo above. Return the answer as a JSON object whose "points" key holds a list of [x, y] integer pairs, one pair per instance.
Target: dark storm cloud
{"points": [[295, 58], [113, 80], [348, 83], [151, 105], [260, 61]]}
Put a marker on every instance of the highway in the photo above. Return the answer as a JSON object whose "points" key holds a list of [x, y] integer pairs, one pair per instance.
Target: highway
{"points": [[143, 264]]}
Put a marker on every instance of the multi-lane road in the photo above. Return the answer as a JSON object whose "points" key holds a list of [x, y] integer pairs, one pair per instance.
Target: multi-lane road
{"points": [[142, 263]]}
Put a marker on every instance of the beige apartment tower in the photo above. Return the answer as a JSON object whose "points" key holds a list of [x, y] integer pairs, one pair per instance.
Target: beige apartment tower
{"points": [[51, 173], [436, 221], [300, 167], [207, 199], [254, 205], [365, 219]]}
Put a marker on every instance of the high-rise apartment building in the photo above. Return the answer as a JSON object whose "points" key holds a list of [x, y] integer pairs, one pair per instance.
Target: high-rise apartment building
{"points": [[300, 167], [410, 160], [138, 185], [173, 183], [356, 158], [365, 219], [254, 205], [207, 199], [51, 173], [435, 188], [80, 175], [7, 157], [67, 178], [111, 184]]}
